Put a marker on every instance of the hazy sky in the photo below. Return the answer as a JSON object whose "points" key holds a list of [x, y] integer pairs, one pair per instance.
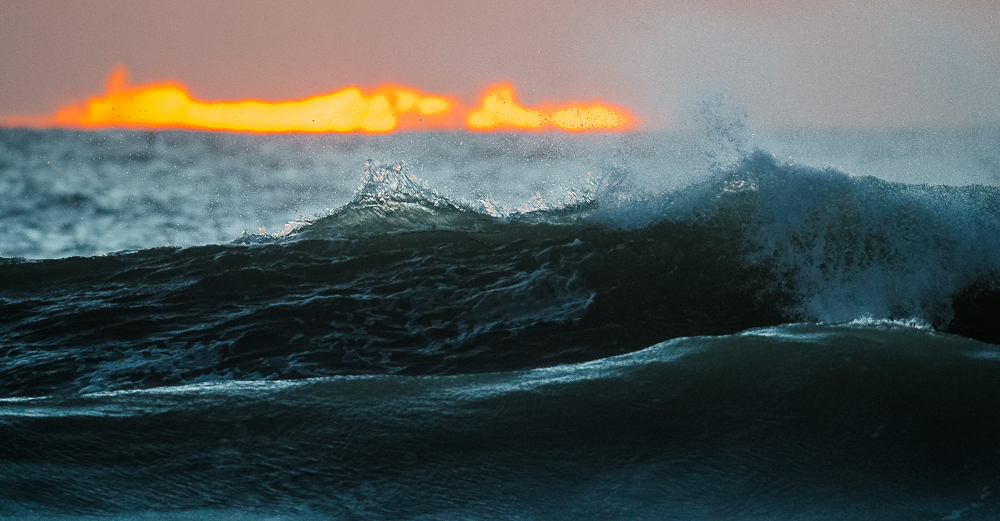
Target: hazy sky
{"points": [[785, 62]]}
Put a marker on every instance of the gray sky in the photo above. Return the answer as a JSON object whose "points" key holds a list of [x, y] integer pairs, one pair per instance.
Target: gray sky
{"points": [[785, 62]]}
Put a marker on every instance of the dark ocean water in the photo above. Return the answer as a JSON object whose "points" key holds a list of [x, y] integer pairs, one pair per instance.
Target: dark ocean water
{"points": [[499, 327]]}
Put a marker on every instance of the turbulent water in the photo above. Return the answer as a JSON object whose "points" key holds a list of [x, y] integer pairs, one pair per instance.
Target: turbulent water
{"points": [[461, 326]]}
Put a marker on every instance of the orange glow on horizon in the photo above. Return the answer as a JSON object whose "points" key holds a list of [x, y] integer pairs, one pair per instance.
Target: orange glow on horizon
{"points": [[500, 111], [168, 105]]}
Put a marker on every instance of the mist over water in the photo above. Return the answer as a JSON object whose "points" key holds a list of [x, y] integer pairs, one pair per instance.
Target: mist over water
{"points": [[85, 193], [876, 223]]}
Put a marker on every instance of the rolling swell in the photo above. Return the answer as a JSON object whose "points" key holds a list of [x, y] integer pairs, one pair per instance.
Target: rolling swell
{"points": [[397, 282], [404, 281], [802, 421]]}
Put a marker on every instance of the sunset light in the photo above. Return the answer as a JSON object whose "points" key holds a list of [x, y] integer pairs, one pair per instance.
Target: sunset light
{"points": [[387, 108], [169, 105], [500, 110]]}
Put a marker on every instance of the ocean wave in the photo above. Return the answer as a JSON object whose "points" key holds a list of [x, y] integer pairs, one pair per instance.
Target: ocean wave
{"points": [[503, 327], [403, 280], [859, 246], [849, 246], [899, 421]]}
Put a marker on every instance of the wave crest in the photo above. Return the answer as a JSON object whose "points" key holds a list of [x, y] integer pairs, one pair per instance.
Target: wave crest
{"points": [[860, 246]]}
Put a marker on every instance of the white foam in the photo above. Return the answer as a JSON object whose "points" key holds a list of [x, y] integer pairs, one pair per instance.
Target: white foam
{"points": [[860, 247]]}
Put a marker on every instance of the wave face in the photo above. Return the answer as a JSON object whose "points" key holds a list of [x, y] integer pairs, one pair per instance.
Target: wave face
{"points": [[498, 327], [399, 281]]}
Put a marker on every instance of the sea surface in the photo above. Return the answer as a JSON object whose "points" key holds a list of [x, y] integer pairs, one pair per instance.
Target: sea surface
{"points": [[709, 324]]}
